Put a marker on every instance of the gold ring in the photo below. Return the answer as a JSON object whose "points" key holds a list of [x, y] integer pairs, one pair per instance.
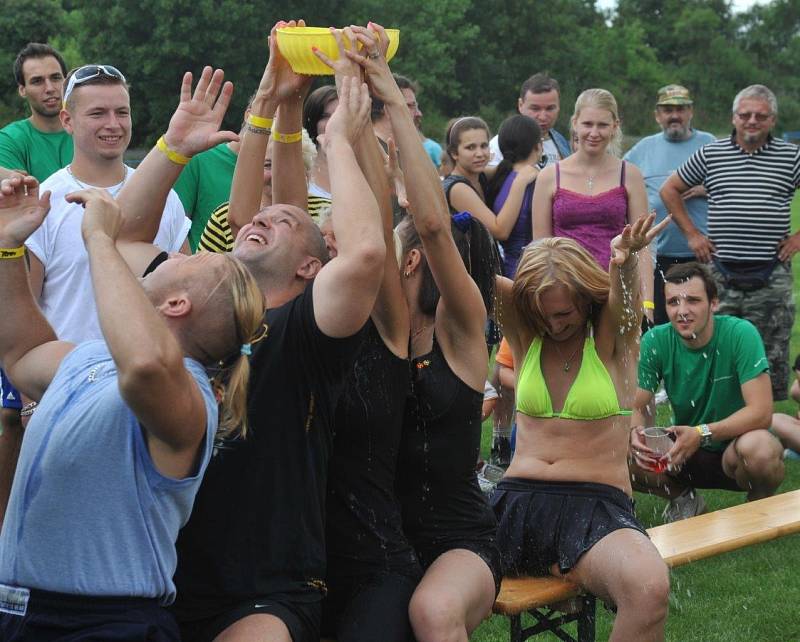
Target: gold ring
{"points": [[373, 55]]}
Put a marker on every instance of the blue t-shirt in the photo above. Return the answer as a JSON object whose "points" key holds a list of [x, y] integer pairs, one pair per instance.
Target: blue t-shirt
{"points": [[89, 513], [658, 157]]}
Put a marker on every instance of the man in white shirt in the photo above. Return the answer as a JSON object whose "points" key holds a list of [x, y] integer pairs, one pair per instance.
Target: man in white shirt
{"points": [[539, 99], [97, 115]]}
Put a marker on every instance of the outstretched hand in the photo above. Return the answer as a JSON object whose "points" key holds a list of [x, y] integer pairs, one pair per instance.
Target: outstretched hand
{"points": [[102, 214], [22, 210], [343, 67], [352, 112], [635, 237], [372, 58], [279, 82], [194, 127]]}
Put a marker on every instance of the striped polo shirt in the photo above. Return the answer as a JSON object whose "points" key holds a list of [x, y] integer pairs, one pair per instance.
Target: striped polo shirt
{"points": [[748, 195]]}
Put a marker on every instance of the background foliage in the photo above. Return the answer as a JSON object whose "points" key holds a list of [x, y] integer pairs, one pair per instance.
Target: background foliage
{"points": [[467, 56]]}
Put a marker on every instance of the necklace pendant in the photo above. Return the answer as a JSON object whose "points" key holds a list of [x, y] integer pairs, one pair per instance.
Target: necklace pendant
{"points": [[567, 366]]}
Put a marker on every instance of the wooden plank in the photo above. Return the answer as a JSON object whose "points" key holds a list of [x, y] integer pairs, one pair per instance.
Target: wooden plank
{"points": [[728, 529], [679, 543]]}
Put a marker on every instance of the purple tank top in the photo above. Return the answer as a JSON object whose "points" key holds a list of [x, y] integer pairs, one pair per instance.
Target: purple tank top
{"points": [[592, 221]]}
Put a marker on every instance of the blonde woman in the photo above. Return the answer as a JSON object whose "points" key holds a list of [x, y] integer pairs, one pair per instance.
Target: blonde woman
{"points": [[564, 506], [591, 195]]}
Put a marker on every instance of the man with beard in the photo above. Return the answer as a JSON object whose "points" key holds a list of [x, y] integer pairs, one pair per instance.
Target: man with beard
{"points": [[659, 155], [715, 371], [38, 145]]}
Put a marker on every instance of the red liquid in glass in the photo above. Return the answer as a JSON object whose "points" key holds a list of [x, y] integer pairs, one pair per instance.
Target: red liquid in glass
{"points": [[660, 466]]}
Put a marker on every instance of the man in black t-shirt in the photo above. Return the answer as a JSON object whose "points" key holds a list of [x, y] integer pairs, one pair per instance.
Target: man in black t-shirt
{"points": [[251, 559]]}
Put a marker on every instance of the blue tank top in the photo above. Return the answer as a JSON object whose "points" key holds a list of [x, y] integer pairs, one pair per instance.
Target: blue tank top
{"points": [[89, 513]]}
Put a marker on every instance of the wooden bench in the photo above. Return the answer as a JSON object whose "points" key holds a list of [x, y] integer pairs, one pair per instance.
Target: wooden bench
{"points": [[554, 602]]}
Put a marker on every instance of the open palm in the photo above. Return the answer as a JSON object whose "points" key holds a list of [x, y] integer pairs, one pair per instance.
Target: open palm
{"points": [[194, 127]]}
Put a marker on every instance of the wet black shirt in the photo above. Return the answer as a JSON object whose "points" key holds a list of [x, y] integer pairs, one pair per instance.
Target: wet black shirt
{"points": [[257, 527]]}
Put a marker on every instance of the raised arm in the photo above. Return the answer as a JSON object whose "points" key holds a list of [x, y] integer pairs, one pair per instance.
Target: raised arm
{"points": [[29, 351], [464, 199], [672, 196], [461, 303], [637, 208], [543, 203], [193, 128], [346, 287], [390, 313], [621, 317], [281, 93], [153, 380]]}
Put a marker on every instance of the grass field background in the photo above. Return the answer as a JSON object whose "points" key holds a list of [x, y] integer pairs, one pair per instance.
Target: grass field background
{"points": [[749, 595]]}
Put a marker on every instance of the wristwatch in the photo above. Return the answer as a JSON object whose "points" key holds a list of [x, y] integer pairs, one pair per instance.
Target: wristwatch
{"points": [[705, 435]]}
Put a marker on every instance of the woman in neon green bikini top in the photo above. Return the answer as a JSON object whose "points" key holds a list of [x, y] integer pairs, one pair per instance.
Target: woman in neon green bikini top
{"points": [[565, 504]]}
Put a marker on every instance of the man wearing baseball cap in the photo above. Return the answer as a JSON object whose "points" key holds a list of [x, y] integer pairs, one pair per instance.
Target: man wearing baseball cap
{"points": [[659, 155]]}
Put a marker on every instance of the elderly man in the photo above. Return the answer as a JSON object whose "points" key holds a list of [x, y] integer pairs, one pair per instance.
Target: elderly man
{"points": [[659, 155], [539, 99], [751, 178]]}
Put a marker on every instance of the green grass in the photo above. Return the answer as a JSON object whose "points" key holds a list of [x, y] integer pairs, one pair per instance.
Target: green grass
{"points": [[749, 595]]}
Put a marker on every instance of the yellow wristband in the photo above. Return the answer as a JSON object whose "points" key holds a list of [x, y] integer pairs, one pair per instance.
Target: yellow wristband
{"points": [[648, 305], [12, 253], [175, 157], [259, 121], [287, 138]]}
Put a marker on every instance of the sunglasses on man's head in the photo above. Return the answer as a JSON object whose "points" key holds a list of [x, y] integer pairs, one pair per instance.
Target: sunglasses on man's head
{"points": [[89, 72]]}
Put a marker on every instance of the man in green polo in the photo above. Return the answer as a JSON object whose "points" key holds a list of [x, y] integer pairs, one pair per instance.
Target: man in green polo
{"points": [[37, 145]]}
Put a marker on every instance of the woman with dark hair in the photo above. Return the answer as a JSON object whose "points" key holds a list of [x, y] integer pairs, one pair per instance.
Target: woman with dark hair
{"points": [[467, 185], [317, 110], [520, 141], [447, 282]]}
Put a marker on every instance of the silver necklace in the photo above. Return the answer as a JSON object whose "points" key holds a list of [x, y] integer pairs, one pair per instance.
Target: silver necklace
{"points": [[590, 182], [108, 189], [567, 362]]}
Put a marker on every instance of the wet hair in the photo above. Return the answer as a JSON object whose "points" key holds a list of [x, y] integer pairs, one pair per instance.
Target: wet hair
{"points": [[517, 138], [243, 298], [551, 262], [314, 108], [601, 99], [458, 126], [477, 250], [102, 79], [682, 272], [35, 50], [757, 92], [539, 83], [403, 82]]}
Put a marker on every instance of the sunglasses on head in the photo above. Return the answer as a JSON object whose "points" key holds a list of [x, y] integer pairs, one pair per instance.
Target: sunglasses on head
{"points": [[89, 72]]}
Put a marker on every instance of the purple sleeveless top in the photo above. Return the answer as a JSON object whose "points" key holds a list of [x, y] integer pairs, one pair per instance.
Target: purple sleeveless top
{"points": [[592, 221]]}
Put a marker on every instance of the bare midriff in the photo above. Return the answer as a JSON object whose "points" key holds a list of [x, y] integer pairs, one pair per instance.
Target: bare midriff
{"points": [[564, 450]]}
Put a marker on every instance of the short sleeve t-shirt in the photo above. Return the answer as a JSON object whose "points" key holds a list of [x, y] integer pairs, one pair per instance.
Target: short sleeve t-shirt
{"points": [[67, 297], [703, 384], [203, 185], [258, 525], [657, 157], [41, 154], [90, 514]]}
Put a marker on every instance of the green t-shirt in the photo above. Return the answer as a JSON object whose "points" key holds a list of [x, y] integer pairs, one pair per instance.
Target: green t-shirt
{"points": [[705, 384], [41, 154], [203, 185]]}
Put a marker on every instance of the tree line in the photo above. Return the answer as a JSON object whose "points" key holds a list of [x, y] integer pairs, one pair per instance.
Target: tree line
{"points": [[468, 56]]}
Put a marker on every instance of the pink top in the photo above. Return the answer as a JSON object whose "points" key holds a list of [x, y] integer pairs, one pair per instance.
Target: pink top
{"points": [[591, 220]]}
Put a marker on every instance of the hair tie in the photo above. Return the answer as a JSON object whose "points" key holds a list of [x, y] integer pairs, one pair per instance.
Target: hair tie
{"points": [[246, 349], [462, 221]]}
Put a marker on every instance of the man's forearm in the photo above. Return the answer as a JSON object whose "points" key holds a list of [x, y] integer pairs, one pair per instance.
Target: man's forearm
{"points": [[289, 181], [22, 326], [673, 201]]}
